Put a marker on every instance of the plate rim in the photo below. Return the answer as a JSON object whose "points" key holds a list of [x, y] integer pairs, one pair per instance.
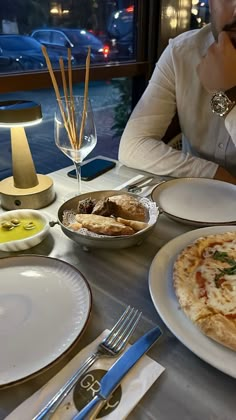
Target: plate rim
{"points": [[187, 237], [183, 219], [77, 338]]}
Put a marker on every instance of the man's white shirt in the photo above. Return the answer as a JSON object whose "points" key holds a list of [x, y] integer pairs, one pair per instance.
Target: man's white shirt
{"points": [[208, 140]]}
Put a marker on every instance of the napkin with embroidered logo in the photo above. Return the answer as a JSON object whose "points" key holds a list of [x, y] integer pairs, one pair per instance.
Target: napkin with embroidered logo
{"points": [[132, 388]]}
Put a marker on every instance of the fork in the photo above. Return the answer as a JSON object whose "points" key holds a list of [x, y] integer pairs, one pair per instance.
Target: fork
{"points": [[141, 182], [111, 346], [146, 182]]}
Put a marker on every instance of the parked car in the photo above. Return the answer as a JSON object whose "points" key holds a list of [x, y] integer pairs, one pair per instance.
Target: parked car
{"points": [[60, 39], [120, 29], [21, 52], [8, 64]]}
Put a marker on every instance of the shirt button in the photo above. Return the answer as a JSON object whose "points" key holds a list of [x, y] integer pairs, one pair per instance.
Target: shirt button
{"points": [[220, 145]]}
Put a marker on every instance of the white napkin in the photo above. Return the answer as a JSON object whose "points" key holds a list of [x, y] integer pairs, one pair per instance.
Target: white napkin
{"points": [[133, 387]]}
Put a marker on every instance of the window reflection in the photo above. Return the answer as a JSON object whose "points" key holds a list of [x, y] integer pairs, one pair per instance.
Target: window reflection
{"points": [[200, 14], [107, 26]]}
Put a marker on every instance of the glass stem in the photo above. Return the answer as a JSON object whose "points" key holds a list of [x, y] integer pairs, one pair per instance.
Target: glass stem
{"points": [[78, 173]]}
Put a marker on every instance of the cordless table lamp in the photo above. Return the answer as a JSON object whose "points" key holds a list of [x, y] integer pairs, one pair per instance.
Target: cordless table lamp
{"points": [[25, 189]]}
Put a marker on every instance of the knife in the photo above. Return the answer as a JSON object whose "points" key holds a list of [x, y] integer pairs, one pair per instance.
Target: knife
{"points": [[140, 182], [111, 380]]}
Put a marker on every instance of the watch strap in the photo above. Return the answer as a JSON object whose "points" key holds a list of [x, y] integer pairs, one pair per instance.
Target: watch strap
{"points": [[231, 93]]}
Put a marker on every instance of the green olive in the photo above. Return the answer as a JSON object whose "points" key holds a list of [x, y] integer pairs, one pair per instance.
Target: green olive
{"points": [[7, 225], [29, 226], [15, 222]]}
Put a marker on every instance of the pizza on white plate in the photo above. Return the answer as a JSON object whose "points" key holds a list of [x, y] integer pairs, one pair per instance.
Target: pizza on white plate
{"points": [[205, 284]]}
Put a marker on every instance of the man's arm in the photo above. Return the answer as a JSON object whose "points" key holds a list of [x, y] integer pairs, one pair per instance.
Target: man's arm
{"points": [[141, 144]]}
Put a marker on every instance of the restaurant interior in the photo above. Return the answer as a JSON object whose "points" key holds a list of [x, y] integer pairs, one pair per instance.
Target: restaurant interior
{"points": [[94, 318]]}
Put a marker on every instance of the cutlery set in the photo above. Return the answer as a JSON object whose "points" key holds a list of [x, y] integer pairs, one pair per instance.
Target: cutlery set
{"points": [[113, 377], [138, 185], [112, 346]]}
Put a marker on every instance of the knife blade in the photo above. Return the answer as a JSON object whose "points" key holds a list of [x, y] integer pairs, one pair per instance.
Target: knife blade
{"points": [[140, 182], [115, 374]]}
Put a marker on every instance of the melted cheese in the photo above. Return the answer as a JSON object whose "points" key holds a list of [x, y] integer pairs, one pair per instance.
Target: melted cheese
{"points": [[223, 298], [229, 247]]}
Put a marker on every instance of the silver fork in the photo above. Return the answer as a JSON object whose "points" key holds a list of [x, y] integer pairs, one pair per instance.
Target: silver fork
{"points": [[141, 182], [147, 182], [111, 346]]}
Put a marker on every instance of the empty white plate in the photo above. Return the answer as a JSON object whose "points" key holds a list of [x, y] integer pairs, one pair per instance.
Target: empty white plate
{"points": [[197, 201], [44, 307]]}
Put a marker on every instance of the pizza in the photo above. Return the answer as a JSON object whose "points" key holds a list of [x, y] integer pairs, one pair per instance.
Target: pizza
{"points": [[204, 279]]}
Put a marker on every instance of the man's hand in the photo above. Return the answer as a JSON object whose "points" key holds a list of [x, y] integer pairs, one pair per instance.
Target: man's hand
{"points": [[217, 70]]}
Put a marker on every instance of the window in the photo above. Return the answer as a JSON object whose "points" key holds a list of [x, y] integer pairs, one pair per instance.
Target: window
{"points": [[125, 38], [108, 26], [41, 36], [200, 14], [58, 38]]}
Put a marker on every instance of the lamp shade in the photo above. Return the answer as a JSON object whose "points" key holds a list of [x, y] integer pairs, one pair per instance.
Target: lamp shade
{"points": [[25, 189], [19, 112]]}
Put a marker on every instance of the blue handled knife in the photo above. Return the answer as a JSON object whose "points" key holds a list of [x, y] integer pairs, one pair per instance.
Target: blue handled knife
{"points": [[113, 377]]}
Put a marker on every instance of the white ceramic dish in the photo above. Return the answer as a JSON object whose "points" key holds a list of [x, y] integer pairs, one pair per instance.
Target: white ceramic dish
{"points": [[44, 307], [166, 304], [112, 242], [25, 243], [197, 201]]}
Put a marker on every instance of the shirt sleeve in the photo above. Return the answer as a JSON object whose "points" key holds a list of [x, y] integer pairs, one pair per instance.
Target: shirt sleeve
{"points": [[230, 124], [141, 145]]}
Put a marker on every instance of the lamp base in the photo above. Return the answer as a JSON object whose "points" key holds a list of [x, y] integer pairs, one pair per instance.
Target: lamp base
{"points": [[27, 198]]}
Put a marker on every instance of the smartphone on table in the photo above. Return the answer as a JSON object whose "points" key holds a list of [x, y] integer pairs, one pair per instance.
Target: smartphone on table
{"points": [[93, 169]]}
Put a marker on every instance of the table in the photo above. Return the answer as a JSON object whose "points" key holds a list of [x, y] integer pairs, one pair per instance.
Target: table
{"points": [[189, 388]]}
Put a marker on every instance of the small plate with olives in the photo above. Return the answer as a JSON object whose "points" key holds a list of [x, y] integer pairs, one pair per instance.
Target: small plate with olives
{"points": [[22, 229]]}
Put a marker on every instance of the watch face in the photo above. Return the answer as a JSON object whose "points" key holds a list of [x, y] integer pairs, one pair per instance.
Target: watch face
{"points": [[220, 103]]}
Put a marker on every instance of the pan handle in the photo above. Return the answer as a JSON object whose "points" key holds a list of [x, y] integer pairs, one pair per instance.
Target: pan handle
{"points": [[52, 223]]}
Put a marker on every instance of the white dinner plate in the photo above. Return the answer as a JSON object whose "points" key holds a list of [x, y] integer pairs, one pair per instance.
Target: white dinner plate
{"points": [[45, 304], [166, 304], [197, 201]]}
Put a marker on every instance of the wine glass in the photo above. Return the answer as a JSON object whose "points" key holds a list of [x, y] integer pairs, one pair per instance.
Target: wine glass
{"points": [[74, 136]]}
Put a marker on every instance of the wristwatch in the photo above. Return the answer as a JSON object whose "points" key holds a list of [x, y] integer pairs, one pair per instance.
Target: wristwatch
{"points": [[221, 103]]}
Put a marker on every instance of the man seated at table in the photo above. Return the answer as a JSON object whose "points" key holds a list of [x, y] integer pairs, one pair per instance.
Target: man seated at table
{"points": [[196, 78]]}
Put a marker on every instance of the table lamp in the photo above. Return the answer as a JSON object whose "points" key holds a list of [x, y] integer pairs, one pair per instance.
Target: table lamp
{"points": [[25, 189]]}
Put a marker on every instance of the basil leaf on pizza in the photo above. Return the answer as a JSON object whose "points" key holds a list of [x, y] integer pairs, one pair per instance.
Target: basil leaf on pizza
{"points": [[205, 284]]}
